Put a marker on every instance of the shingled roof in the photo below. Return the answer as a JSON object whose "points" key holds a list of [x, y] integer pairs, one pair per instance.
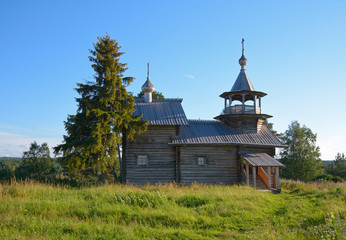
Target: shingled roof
{"points": [[213, 132], [161, 111]]}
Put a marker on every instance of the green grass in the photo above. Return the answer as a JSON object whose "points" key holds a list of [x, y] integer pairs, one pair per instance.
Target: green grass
{"points": [[30, 210]]}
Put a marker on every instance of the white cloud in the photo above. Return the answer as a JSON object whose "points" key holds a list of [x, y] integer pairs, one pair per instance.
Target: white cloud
{"points": [[331, 145], [13, 145], [189, 76]]}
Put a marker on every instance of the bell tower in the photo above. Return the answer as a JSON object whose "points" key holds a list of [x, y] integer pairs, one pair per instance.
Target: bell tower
{"points": [[242, 110]]}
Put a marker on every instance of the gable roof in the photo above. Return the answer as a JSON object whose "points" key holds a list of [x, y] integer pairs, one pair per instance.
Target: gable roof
{"points": [[261, 160], [213, 132], [161, 111]]}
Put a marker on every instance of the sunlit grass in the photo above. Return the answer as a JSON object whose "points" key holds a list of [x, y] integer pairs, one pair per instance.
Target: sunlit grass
{"points": [[31, 210]]}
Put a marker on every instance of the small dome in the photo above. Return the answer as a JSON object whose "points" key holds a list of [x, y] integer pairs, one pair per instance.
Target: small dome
{"points": [[148, 86], [242, 60]]}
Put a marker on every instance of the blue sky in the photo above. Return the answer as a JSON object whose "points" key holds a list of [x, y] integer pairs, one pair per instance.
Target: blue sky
{"points": [[295, 49]]}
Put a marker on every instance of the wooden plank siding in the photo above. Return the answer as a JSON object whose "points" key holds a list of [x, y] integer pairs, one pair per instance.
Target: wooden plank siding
{"points": [[169, 163], [161, 166], [221, 167], [268, 150]]}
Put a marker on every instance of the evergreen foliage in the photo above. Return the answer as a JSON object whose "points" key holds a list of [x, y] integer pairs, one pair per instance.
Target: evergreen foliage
{"points": [[271, 128], [104, 116], [302, 157], [155, 95], [10, 163], [8, 167], [338, 167], [36, 162]]}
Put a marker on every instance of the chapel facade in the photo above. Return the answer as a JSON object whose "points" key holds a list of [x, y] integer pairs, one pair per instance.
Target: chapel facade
{"points": [[236, 147]]}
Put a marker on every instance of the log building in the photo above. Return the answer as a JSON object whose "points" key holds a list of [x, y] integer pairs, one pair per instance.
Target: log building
{"points": [[236, 147]]}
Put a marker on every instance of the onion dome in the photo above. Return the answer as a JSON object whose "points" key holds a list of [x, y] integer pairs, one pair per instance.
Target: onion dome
{"points": [[148, 86], [242, 61]]}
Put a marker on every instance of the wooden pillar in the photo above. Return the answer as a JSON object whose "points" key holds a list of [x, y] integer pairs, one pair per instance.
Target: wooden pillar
{"points": [[260, 104], [243, 101], [254, 176], [230, 100], [247, 174], [277, 185], [269, 177], [177, 165], [255, 104]]}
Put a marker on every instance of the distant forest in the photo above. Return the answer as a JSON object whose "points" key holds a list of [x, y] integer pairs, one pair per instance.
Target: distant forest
{"points": [[10, 162]]}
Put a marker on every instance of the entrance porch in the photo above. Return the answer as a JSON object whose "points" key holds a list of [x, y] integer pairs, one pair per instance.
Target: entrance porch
{"points": [[261, 171]]}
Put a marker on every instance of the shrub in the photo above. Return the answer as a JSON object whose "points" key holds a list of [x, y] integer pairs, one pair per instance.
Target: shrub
{"points": [[327, 178]]}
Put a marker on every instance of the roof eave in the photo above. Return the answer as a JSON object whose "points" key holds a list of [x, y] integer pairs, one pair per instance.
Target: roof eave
{"points": [[228, 144], [226, 94]]}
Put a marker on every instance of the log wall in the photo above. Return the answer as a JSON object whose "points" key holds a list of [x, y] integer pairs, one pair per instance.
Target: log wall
{"points": [[222, 165], [169, 163], [161, 166], [252, 149]]}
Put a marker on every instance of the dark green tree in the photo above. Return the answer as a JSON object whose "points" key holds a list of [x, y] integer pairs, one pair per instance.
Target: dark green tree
{"points": [[302, 157], [155, 95], [271, 128], [338, 167], [104, 115], [36, 162]]}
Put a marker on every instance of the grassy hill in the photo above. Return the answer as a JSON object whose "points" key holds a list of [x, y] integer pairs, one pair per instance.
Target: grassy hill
{"points": [[32, 210]]}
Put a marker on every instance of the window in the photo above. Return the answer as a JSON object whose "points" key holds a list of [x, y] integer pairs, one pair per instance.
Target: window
{"points": [[201, 161], [142, 160]]}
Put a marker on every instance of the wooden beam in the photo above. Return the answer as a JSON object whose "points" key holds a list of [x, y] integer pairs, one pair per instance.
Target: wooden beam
{"points": [[254, 176], [243, 103], [247, 174], [269, 177], [277, 178], [177, 165]]}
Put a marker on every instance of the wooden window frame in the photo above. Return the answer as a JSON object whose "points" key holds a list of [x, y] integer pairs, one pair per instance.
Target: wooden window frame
{"points": [[142, 162], [198, 160]]}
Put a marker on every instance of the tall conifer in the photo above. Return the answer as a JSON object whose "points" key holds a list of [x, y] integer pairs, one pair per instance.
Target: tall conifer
{"points": [[104, 116]]}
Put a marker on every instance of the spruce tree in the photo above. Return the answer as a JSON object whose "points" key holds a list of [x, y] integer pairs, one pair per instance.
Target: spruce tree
{"points": [[302, 157], [104, 117]]}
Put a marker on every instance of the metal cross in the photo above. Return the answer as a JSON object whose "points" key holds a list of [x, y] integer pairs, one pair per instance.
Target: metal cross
{"points": [[242, 44], [148, 71]]}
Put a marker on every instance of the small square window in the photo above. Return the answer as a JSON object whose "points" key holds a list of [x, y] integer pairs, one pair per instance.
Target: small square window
{"points": [[142, 160], [201, 161]]}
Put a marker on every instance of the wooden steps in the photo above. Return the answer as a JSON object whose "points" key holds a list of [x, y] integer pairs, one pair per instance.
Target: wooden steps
{"points": [[259, 183]]}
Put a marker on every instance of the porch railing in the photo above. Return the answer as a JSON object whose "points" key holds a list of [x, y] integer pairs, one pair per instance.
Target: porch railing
{"points": [[238, 109], [263, 176]]}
